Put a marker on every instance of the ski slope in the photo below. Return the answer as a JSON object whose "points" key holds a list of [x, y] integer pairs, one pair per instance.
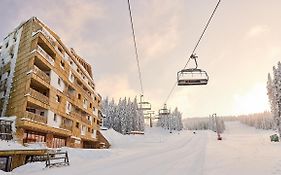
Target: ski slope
{"points": [[243, 150]]}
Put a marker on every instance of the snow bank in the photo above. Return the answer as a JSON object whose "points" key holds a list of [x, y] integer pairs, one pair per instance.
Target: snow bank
{"points": [[5, 173], [14, 145], [10, 145]]}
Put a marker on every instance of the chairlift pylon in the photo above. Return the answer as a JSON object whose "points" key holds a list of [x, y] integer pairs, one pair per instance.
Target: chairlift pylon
{"points": [[164, 111], [143, 105], [192, 76]]}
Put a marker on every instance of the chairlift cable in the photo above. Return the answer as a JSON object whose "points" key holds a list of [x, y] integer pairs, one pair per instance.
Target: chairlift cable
{"points": [[196, 46], [135, 47]]}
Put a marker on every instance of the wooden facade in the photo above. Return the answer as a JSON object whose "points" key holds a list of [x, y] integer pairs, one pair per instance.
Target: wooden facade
{"points": [[53, 93]]}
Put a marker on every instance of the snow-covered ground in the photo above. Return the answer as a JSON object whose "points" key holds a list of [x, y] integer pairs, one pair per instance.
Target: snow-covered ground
{"points": [[243, 151]]}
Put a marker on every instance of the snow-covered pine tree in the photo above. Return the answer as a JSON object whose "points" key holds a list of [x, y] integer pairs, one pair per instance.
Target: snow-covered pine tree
{"points": [[135, 115], [141, 120], [117, 118], [123, 116], [111, 114], [129, 109], [105, 112], [277, 88]]}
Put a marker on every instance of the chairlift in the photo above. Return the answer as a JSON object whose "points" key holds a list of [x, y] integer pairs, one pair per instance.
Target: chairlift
{"points": [[143, 105], [164, 111], [192, 76]]}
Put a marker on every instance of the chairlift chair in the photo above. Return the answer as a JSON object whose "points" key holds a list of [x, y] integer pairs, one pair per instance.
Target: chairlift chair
{"points": [[144, 105], [164, 111], [192, 76], [187, 77]]}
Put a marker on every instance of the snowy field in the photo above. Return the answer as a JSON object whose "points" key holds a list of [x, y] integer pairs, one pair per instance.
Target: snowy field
{"points": [[243, 151]]}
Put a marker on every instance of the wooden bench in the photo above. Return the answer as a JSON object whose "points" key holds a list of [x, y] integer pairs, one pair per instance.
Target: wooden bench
{"points": [[57, 158]]}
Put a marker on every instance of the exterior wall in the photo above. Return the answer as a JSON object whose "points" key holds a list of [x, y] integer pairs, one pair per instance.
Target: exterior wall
{"points": [[9, 54], [54, 122], [47, 80], [56, 81]]}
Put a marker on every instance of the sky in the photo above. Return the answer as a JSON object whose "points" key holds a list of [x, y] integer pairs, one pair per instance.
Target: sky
{"points": [[239, 49]]}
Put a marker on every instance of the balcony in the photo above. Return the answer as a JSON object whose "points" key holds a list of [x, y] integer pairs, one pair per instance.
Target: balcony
{"points": [[80, 117], [35, 117], [85, 120], [48, 36], [66, 126], [41, 74], [37, 95], [44, 54]]}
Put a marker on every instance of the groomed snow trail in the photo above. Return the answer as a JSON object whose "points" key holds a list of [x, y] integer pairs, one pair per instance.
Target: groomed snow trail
{"points": [[243, 151], [166, 154]]}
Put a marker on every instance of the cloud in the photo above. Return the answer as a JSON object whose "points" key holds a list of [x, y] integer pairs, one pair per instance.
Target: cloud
{"points": [[158, 29], [115, 86], [258, 30], [255, 100]]}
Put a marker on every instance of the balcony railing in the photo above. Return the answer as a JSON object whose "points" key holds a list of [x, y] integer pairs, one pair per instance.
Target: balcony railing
{"points": [[37, 95], [45, 55], [35, 117], [48, 36], [80, 117], [85, 120], [41, 74], [66, 126], [70, 95]]}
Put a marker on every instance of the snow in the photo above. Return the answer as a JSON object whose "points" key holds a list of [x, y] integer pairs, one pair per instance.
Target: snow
{"points": [[9, 145], [13, 145], [244, 150]]}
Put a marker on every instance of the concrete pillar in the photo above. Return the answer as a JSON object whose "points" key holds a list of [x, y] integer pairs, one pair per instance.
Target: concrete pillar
{"points": [[49, 140]]}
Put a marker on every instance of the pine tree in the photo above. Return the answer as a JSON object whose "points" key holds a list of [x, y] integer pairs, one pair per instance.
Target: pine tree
{"points": [[129, 109], [277, 87], [123, 116], [105, 112]]}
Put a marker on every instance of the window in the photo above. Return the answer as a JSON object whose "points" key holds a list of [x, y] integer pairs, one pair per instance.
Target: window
{"points": [[94, 120], [32, 110], [55, 117], [31, 136], [42, 113], [71, 62], [69, 106], [58, 98], [85, 101], [71, 77], [95, 98], [59, 81], [89, 118], [90, 105], [60, 50], [89, 129], [62, 64], [58, 142], [79, 96], [7, 45], [77, 125], [94, 109]]}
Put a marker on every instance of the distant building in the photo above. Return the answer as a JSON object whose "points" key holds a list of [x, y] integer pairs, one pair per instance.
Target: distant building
{"points": [[49, 88]]}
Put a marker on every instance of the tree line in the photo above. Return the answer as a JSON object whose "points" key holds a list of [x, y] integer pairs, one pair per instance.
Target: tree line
{"points": [[124, 116], [274, 95], [205, 123], [172, 121], [262, 120]]}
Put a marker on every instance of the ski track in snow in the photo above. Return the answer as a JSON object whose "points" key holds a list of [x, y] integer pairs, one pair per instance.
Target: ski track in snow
{"points": [[243, 151]]}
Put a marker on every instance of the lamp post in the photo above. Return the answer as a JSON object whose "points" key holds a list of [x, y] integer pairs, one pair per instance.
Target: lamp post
{"points": [[217, 126]]}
